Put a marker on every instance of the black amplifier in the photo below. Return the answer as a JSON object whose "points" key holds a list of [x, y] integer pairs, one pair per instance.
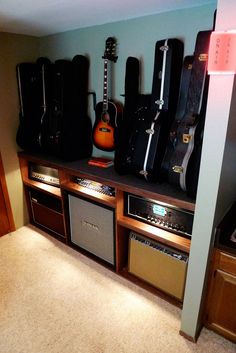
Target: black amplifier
{"points": [[162, 215], [44, 174]]}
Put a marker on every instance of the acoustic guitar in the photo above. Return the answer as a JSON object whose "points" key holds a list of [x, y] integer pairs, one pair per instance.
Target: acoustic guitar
{"points": [[107, 111]]}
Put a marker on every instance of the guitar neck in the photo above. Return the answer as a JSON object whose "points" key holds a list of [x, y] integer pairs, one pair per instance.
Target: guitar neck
{"points": [[105, 88]]}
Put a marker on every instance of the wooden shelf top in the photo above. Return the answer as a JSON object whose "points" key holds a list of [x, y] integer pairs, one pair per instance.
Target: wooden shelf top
{"points": [[162, 192], [174, 240], [90, 194], [49, 189]]}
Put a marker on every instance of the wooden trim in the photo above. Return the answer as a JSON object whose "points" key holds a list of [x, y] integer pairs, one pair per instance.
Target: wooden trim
{"points": [[227, 263], [189, 338], [6, 196]]}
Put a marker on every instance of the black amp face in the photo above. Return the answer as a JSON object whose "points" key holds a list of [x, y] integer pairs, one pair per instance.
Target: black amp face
{"points": [[168, 217], [44, 174]]}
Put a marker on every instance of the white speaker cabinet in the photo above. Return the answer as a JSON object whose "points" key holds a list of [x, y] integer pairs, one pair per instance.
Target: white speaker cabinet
{"points": [[92, 228]]}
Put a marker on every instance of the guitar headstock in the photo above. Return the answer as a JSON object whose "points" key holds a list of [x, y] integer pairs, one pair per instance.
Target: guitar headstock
{"points": [[110, 49]]}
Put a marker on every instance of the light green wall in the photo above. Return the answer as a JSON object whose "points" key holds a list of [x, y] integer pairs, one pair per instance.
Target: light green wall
{"points": [[14, 49], [136, 37]]}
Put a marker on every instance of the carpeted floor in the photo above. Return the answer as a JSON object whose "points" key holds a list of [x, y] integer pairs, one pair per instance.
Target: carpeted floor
{"points": [[55, 300]]}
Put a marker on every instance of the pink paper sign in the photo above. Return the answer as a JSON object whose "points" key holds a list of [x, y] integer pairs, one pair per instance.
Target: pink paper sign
{"points": [[222, 53]]}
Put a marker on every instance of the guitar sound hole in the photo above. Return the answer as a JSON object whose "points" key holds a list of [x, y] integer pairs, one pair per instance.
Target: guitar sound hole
{"points": [[105, 117]]}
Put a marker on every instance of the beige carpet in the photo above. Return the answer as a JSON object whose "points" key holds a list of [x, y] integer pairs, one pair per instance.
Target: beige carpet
{"points": [[55, 300]]}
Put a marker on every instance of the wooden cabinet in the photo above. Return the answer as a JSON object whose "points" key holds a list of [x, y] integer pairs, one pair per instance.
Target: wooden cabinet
{"points": [[4, 220], [44, 201], [42, 198], [221, 299], [6, 217]]}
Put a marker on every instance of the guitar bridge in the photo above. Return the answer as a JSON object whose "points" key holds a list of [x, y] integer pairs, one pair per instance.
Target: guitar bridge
{"points": [[104, 129]]}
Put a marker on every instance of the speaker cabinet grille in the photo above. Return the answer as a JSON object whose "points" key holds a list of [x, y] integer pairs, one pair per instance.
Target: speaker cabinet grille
{"points": [[92, 228], [163, 267]]}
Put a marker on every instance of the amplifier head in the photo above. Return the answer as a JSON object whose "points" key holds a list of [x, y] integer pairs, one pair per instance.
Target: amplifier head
{"points": [[44, 174], [159, 214]]}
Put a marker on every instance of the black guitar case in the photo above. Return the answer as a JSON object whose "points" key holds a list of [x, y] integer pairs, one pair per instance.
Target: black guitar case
{"points": [[125, 126], [186, 135], [77, 138], [77, 133], [30, 81], [149, 137], [192, 172], [61, 72], [47, 84], [181, 108], [67, 130]]}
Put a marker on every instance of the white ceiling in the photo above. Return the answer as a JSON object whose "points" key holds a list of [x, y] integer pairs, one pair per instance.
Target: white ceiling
{"points": [[44, 17]]}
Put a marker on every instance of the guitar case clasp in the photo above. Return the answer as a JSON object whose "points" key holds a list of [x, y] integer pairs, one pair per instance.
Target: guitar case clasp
{"points": [[150, 131], [144, 173], [164, 48], [178, 169], [186, 138]]}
